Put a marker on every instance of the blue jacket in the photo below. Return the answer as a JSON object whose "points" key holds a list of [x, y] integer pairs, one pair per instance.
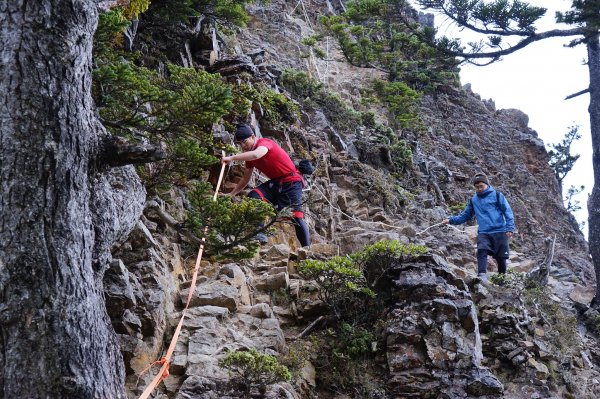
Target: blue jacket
{"points": [[492, 211]]}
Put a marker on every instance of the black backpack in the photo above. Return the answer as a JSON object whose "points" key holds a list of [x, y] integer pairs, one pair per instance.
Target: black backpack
{"points": [[305, 167]]}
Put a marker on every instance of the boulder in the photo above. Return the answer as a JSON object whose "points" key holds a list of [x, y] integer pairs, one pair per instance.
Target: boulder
{"points": [[215, 293]]}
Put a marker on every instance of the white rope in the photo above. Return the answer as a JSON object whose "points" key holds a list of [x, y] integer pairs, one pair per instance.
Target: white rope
{"points": [[437, 224], [378, 223], [349, 216]]}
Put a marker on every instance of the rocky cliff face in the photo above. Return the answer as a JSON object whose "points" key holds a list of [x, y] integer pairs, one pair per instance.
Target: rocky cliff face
{"points": [[444, 334]]}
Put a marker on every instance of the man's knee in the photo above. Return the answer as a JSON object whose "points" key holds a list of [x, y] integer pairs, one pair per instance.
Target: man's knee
{"points": [[256, 194], [298, 214]]}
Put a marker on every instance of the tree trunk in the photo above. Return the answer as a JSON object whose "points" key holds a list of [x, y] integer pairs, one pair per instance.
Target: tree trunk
{"points": [[57, 341], [593, 49]]}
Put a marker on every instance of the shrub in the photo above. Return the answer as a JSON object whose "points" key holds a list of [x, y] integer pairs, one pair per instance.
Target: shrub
{"points": [[344, 361], [108, 35], [232, 226], [135, 8], [339, 281], [401, 101], [254, 369], [133, 99], [561, 326], [308, 90], [178, 109], [225, 12], [510, 279], [376, 259], [456, 208]]}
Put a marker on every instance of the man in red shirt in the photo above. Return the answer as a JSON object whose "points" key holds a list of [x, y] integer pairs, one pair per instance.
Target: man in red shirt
{"points": [[283, 190]]}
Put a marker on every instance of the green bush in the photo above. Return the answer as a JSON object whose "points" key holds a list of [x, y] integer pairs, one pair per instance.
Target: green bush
{"points": [[185, 103], [376, 259], [561, 326], [225, 12], [232, 226], [510, 279], [344, 360], [108, 35], [308, 90], [401, 101], [457, 208], [278, 110], [135, 8], [339, 281], [178, 109], [254, 369]]}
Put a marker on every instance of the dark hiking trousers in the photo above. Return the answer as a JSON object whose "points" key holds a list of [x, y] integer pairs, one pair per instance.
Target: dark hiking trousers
{"points": [[285, 195], [496, 245]]}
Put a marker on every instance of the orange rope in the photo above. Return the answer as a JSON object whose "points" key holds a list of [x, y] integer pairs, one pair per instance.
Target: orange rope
{"points": [[166, 360]]}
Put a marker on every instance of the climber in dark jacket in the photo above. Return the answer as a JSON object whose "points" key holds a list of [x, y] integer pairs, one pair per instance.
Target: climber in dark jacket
{"points": [[496, 224]]}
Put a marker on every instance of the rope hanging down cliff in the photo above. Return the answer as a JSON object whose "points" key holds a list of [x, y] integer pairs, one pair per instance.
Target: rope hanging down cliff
{"points": [[165, 360]]}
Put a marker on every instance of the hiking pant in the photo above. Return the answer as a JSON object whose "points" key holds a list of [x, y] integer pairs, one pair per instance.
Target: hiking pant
{"points": [[496, 245], [285, 195]]}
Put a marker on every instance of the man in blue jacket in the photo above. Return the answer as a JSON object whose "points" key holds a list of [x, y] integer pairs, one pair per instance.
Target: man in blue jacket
{"points": [[496, 224]]}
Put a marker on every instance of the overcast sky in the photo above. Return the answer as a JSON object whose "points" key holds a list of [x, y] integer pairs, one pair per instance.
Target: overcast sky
{"points": [[536, 80]]}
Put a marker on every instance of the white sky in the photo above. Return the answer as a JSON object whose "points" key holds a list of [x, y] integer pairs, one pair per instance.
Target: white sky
{"points": [[536, 80]]}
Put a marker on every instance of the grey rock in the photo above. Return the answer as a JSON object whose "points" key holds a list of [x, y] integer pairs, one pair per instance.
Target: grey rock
{"points": [[215, 294], [262, 311]]}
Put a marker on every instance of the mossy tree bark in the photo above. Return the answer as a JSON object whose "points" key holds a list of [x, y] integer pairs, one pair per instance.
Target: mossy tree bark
{"points": [[57, 341]]}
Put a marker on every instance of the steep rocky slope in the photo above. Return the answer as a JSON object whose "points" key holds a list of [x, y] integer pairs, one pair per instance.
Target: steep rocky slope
{"points": [[444, 334]]}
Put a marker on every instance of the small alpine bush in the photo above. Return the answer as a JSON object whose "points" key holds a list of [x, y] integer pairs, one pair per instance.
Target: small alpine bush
{"points": [[254, 369]]}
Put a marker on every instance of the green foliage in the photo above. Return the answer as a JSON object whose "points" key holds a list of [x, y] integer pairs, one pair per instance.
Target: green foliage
{"points": [[254, 369], [376, 34], [187, 160], [298, 353], [505, 15], [183, 104], [560, 326], [456, 208], [510, 279], [339, 281], [108, 35], [231, 225], [344, 361], [178, 109], [278, 110], [344, 353], [310, 91], [401, 100], [354, 342], [561, 160], [571, 203], [135, 8], [376, 259], [491, 20], [583, 12], [225, 12]]}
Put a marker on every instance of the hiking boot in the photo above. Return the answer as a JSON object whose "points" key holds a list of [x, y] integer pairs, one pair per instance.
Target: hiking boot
{"points": [[262, 238], [483, 277]]}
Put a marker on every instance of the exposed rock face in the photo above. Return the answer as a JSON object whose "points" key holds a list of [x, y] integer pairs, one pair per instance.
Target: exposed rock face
{"points": [[433, 341], [447, 335]]}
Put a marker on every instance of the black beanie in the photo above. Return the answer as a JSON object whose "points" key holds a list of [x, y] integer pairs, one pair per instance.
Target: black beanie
{"points": [[480, 178], [243, 132]]}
